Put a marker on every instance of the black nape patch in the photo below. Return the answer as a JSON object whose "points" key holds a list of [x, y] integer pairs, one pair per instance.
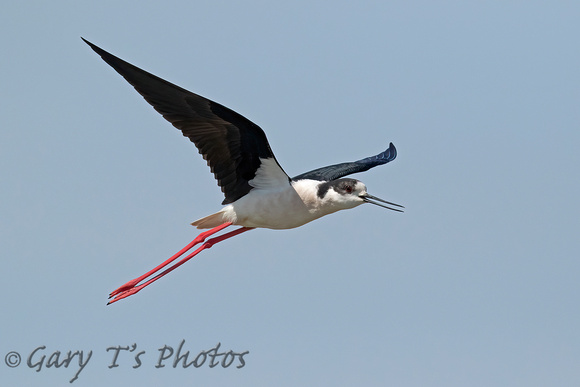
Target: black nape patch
{"points": [[323, 189], [342, 186]]}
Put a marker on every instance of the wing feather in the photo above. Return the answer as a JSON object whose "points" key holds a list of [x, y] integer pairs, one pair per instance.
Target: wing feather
{"points": [[336, 171], [231, 144]]}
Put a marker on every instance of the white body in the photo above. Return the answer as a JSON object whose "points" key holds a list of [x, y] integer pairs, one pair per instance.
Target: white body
{"points": [[276, 203]]}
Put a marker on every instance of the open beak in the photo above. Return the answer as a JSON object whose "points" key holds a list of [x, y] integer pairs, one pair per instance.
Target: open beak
{"points": [[373, 200]]}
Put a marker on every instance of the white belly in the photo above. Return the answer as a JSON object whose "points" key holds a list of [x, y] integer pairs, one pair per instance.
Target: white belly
{"points": [[266, 209], [289, 206]]}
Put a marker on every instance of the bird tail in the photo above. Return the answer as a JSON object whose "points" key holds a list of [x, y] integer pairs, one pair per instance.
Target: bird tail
{"points": [[210, 221]]}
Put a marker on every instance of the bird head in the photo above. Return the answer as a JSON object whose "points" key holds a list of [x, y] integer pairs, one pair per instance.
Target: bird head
{"points": [[349, 193]]}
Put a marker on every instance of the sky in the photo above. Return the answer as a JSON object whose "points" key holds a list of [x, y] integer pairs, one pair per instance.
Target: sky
{"points": [[476, 283]]}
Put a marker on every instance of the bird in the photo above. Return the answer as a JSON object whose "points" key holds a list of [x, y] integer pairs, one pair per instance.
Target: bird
{"points": [[258, 193]]}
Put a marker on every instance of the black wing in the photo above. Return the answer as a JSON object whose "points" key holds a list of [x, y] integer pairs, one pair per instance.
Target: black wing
{"points": [[231, 144], [337, 171]]}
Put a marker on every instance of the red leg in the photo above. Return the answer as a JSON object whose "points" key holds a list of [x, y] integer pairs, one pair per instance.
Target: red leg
{"points": [[132, 287]]}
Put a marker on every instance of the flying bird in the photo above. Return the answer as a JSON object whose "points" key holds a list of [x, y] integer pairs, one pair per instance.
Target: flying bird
{"points": [[258, 193]]}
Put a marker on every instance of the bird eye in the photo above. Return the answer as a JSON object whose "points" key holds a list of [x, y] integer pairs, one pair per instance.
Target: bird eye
{"points": [[348, 189]]}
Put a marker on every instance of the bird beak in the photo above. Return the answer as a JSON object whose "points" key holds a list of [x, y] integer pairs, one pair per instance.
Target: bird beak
{"points": [[373, 200]]}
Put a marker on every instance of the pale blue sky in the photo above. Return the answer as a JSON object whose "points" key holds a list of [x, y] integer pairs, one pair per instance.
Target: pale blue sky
{"points": [[476, 284]]}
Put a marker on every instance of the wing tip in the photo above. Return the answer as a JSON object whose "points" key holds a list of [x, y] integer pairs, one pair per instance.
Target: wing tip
{"points": [[109, 58], [392, 151], [91, 45]]}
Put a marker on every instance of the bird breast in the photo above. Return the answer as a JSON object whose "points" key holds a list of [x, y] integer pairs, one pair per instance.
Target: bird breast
{"points": [[287, 207]]}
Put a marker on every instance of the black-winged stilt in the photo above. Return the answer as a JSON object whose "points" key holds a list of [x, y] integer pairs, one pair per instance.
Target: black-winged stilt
{"points": [[258, 193]]}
